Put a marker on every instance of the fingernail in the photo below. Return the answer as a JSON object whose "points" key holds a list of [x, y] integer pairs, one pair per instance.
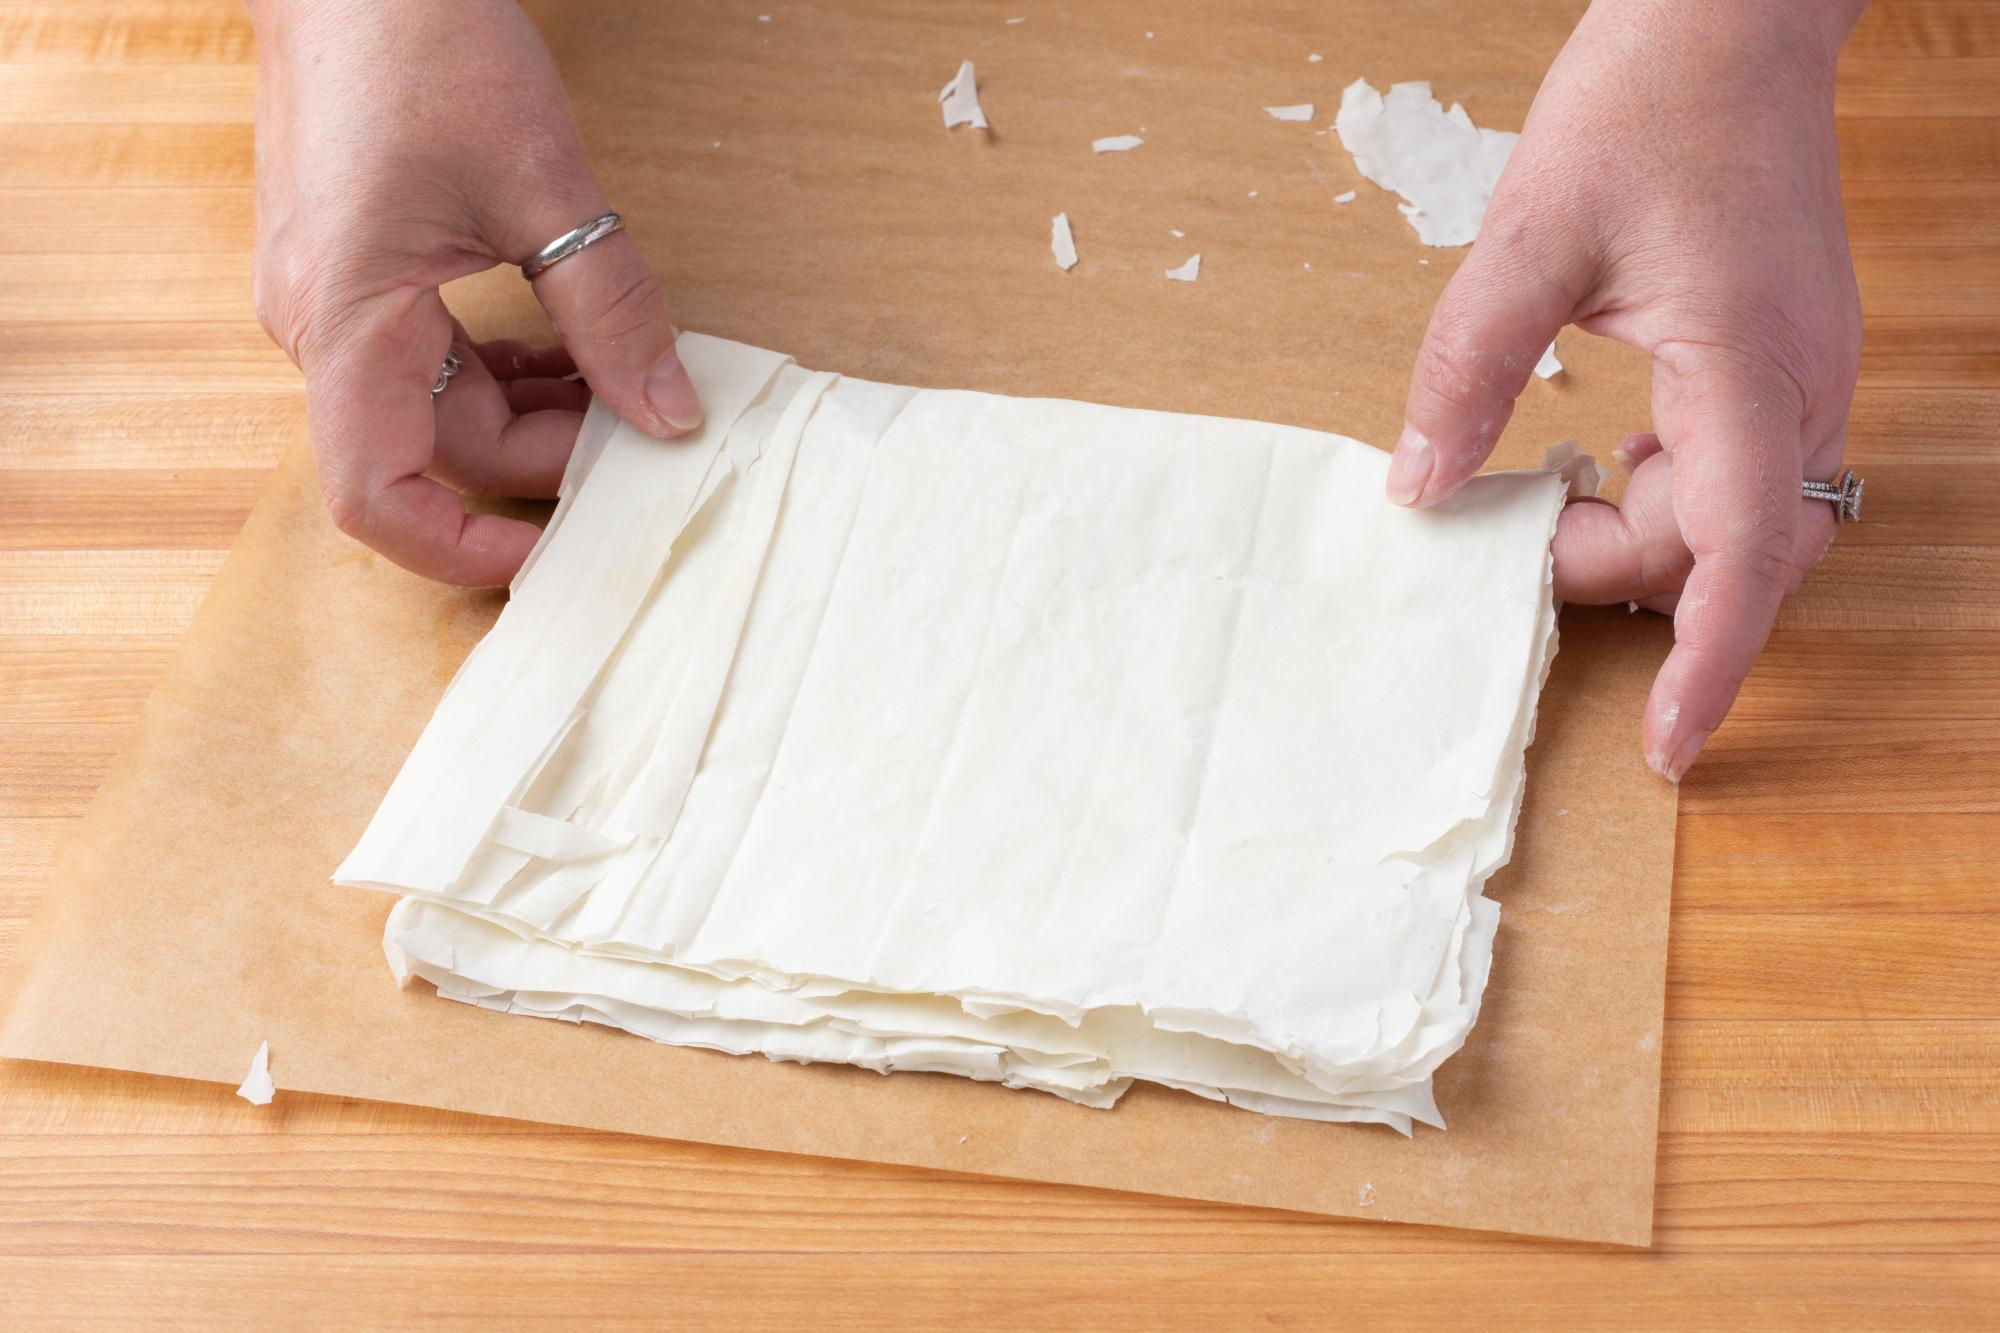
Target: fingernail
{"points": [[1410, 470], [671, 393], [1673, 767], [1623, 459]]}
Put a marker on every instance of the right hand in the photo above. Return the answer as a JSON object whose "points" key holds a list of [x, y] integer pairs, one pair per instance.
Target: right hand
{"points": [[400, 147], [1677, 188]]}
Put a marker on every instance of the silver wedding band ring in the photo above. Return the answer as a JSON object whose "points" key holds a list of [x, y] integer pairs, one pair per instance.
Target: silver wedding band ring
{"points": [[446, 371], [1844, 495], [567, 244]]}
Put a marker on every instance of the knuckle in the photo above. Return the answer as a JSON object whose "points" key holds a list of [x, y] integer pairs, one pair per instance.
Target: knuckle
{"points": [[635, 308], [1663, 570], [347, 508], [1767, 559], [1453, 369]]}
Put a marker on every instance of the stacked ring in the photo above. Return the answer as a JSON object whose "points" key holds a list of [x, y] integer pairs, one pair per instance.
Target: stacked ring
{"points": [[446, 371]]}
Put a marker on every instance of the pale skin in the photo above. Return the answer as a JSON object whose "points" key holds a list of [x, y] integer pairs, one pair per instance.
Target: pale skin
{"points": [[1675, 188]]}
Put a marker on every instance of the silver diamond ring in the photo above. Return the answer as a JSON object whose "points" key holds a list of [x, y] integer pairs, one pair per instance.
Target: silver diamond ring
{"points": [[1844, 495], [567, 244], [446, 371]]}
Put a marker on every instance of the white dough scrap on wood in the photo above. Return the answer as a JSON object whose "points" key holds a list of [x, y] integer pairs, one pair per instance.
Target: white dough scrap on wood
{"points": [[1117, 143], [1187, 272], [1303, 111], [1062, 243], [258, 1089], [960, 100], [1442, 164], [1548, 367]]}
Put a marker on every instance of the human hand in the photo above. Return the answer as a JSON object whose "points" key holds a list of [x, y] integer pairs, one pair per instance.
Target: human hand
{"points": [[1676, 188], [400, 146]]}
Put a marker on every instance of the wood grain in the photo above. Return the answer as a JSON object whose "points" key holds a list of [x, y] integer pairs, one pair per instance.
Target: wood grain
{"points": [[1831, 1096]]}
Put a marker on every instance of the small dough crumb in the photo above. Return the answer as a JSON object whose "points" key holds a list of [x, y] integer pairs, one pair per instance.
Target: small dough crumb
{"points": [[960, 99], [257, 1087], [1062, 242], [1548, 367], [1302, 111], [1117, 143], [1345, 197], [1577, 468], [1187, 272]]}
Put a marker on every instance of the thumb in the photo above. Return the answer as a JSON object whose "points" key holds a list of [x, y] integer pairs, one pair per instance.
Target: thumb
{"points": [[611, 314], [1497, 315]]}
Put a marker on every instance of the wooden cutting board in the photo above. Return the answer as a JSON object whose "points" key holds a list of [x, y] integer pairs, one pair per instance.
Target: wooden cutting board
{"points": [[1831, 1101]]}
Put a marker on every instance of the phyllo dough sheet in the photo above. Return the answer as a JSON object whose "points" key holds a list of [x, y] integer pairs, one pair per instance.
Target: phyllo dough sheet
{"points": [[1039, 742]]}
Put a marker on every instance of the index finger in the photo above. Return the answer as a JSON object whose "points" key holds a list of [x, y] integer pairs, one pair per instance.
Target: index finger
{"points": [[374, 431]]}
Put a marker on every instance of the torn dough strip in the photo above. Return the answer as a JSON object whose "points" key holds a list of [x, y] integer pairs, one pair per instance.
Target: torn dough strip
{"points": [[960, 100], [1442, 164], [1200, 659], [1062, 243], [258, 1089]]}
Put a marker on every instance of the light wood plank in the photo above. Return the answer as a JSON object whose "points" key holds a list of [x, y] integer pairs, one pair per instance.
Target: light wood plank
{"points": [[1900, 588], [1917, 86], [245, 1193], [1920, 149], [1859, 765], [225, 92], [1903, 29], [154, 156], [1854, 862], [1891, 215], [185, 426], [79, 678], [1920, 359], [103, 592], [111, 221], [1808, 677], [1903, 283], [63, 289], [973, 1291], [109, 509], [132, 94], [27, 858], [53, 770], [1833, 1078], [160, 357], [180, 32], [1923, 425], [1914, 1193], [1803, 966]]}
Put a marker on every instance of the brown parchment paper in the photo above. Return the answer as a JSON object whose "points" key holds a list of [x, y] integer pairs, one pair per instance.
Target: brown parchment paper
{"points": [[191, 916]]}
